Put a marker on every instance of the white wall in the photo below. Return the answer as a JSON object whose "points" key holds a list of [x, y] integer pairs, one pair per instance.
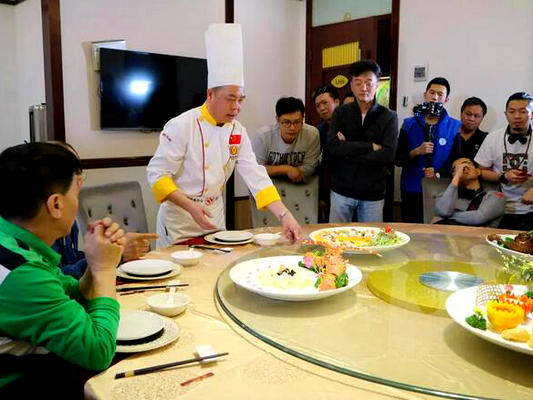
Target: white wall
{"points": [[164, 26], [8, 78], [274, 59], [483, 47], [29, 60], [21, 69]]}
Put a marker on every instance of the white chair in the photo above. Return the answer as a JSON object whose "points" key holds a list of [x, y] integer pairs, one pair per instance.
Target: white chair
{"points": [[121, 201], [300, 198]]}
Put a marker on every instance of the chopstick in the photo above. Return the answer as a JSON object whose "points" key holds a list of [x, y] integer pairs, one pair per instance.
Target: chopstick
{"points": [[201, 246], [127, 289], [155, 368]]}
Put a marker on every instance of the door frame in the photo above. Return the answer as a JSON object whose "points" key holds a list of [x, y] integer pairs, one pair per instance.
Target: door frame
{"points": [[395, 31]]}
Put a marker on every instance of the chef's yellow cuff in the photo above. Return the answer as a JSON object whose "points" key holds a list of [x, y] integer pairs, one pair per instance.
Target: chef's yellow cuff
{"points": [[162, 188], [266, 196]]}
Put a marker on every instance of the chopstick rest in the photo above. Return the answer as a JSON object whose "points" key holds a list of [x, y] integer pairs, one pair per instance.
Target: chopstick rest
{"points": [[206, 352], [155, 368]]}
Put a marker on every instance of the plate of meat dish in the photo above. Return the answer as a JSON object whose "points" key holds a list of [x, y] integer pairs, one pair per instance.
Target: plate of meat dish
{"points": [[520, 245]]}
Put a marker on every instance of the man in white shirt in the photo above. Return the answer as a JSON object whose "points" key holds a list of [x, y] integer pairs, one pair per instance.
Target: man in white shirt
{"points": [[506, 155]]}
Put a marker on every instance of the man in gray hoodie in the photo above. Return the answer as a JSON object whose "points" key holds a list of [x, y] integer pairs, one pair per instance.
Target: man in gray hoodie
{"points": [[465, 202]]}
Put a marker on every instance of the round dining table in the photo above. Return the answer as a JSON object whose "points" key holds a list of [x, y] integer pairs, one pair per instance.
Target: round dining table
{"points": [[389, 337]]}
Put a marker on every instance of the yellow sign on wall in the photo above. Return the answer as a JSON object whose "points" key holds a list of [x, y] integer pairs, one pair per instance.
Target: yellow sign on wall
{"points": [[339, 81], [340, 55]]}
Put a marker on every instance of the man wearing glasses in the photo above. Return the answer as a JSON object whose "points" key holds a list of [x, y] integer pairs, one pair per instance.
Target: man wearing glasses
{"points": [[289, 147], [361, 143]]}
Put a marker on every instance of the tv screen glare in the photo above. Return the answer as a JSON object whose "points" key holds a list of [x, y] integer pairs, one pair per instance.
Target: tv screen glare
{"points": [[142, 91]]}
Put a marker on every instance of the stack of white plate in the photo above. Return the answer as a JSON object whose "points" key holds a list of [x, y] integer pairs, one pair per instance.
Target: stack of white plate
{"points": [[230, 237], [148, 269], [143, 330]]}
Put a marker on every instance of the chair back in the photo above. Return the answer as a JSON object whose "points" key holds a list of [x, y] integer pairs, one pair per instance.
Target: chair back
{"points": [[301, 199], [121, 201], [431, 188]]}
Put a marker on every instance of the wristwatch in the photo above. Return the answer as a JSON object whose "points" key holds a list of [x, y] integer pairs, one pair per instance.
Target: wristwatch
{"points": [[503, 179]]}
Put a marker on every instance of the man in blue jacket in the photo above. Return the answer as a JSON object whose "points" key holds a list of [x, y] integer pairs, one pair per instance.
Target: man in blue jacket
{"points": [[424, 148]]}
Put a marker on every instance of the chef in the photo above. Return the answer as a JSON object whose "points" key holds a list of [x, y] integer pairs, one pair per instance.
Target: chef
{"points": [[199, 149]]}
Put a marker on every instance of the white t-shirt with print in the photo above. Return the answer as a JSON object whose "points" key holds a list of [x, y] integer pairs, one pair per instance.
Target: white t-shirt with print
{"points": [[502, 156]]}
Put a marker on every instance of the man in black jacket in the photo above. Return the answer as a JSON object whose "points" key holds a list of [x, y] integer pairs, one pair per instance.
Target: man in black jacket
{"points": [[361, 143]]}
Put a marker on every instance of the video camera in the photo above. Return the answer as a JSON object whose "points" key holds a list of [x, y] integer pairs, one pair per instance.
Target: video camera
{"points": [[426, 108]]}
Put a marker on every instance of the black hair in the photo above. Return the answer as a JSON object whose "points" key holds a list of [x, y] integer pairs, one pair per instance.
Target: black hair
{"points": [[326, 89], [360, 67], [474, 101], [519, 96], [31, 173], [439, 80], [287, 105]]}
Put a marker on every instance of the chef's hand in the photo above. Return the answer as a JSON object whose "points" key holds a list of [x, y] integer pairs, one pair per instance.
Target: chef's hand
{"points": [[291, 227], [137, 245], [200, 214]]}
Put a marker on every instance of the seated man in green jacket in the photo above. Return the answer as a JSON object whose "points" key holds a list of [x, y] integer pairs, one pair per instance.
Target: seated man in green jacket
{"points": [[50, 322]]}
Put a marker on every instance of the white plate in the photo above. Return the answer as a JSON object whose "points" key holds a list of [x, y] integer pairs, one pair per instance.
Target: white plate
{"points": [[135, 324], [245, 275], [364, 249], [211, 239], [461, 305], [148, 267], [232, 236], [508, 251], [173, 272], [171, 333]]}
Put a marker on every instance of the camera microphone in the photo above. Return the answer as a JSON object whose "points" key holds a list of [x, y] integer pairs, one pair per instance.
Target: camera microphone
{"points": [[428, 137]]}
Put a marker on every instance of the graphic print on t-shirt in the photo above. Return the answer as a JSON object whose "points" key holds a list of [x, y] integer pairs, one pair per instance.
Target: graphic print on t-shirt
{"points": [[294, 158], [514, 161]]}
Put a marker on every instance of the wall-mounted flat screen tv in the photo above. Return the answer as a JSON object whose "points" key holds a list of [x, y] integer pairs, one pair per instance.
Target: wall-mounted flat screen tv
{"points": [[142, 91]]}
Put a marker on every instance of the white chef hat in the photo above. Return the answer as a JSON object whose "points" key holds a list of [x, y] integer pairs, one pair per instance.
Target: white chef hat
{"points": [[223, 44]]}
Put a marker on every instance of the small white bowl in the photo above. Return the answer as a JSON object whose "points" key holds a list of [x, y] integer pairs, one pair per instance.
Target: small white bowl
{"points": [[266, 239], [158, 303], [187, 257]]}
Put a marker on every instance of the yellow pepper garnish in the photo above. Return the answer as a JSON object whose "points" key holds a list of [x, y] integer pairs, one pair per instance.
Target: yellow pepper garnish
{"points": [[504, 315]]}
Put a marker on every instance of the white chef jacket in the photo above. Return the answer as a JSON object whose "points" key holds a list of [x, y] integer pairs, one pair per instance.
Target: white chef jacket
{"points": [[197, 157]]}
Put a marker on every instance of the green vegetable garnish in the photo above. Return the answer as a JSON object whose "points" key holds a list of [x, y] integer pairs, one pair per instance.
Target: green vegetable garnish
{"points": [[301, 264], [529, 294], [318, 282], [341, 280], [477, 321], [318, 253]]}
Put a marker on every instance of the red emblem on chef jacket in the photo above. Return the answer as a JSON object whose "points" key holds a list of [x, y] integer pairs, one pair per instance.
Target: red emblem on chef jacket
{"points": [[235, 139]]}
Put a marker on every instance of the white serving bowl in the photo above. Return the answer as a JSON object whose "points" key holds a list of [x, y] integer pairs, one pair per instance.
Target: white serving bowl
{"points": [[266, 239], [158, 303], [186, 257]]}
